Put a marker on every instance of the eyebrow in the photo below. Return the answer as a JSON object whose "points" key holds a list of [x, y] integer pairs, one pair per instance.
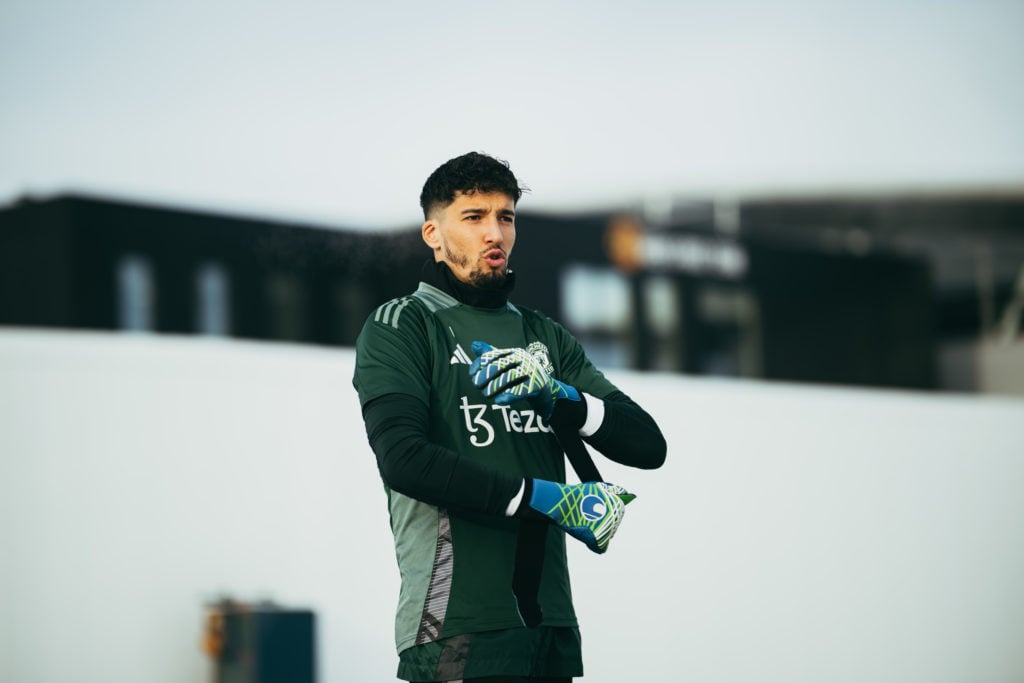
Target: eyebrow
{"points": [[476, 210]]}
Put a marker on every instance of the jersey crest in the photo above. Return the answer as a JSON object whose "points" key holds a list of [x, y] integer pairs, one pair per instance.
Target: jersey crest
{"points": [[539, 351]]}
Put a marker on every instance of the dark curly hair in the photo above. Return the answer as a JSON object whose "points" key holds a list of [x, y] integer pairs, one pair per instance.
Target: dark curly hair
{"points": [[469, 173]]}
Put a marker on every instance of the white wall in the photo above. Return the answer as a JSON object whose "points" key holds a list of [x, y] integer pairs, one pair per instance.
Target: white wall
{"points": [[795, 533]]}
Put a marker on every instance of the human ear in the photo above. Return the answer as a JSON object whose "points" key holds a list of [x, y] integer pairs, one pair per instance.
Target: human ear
{"points": [[431, 235]]}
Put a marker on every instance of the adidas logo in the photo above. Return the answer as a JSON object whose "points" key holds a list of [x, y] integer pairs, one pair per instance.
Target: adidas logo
{"points": [[459, 356]]}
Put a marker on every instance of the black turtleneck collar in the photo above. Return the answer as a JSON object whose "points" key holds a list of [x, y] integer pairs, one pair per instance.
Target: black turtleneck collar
{"points": [[437, 274]]}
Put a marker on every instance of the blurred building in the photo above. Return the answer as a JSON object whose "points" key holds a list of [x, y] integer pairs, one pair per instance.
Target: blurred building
{"points": [[86, 263], [891, 292]]}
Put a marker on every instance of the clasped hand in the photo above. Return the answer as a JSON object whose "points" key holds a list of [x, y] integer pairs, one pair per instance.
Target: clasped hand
{"points": [[513, 373], [591, 511]]}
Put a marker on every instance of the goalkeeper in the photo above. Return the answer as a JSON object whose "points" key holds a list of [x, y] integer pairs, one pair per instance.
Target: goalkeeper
{"points": [[462, 395]]}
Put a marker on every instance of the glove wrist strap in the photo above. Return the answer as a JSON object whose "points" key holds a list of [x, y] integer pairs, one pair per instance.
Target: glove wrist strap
{"points": [[569, 415]]}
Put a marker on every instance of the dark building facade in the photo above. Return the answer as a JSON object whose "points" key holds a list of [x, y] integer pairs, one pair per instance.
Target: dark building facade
{"points": [[677, 294], [85, 263]]}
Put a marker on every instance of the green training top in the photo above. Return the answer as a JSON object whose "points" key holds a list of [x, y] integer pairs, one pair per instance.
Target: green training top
{"points": [[456, 569]]}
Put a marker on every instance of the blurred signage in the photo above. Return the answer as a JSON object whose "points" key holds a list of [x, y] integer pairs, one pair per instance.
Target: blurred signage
{"points": [[633, 248]]}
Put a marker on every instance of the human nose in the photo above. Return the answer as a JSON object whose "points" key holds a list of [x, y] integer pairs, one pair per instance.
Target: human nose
{"points": [[492, 231]]}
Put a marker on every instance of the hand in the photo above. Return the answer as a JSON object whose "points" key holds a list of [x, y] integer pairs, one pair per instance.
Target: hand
{"points": [[513, 373], [589, 512]]}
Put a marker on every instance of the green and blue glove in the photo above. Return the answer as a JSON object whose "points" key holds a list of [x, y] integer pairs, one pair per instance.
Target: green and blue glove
{"points": [[514, 373], [590, 512]]}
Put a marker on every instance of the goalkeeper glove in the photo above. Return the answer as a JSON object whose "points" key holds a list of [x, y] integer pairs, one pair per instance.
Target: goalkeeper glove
{"points": [[513, 373], [589, 512]]}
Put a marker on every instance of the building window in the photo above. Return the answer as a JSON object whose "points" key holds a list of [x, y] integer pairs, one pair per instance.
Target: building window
{"points": [[663, 313], [731, 332], [350, 306], [136, 294], [213, 300], [287, 300], [597, 307]]}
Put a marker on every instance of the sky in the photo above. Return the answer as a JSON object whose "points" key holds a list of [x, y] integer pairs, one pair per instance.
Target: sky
{"points": [[335, 112]]}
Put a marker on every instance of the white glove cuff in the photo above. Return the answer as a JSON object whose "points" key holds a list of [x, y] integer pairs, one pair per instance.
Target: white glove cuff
{"points": [[595, 415]]}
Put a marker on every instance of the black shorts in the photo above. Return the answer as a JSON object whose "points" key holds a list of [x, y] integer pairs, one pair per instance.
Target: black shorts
{"points": [[543, 652]]}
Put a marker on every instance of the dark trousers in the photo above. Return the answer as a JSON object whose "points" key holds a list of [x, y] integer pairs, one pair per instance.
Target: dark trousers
{"points": [[511, 679]]}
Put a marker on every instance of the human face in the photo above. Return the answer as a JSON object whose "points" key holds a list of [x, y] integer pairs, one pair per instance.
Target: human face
{"points": [[474, 235]]}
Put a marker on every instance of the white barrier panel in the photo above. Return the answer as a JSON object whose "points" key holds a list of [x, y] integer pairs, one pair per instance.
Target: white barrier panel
{"points": [[795, 533]]}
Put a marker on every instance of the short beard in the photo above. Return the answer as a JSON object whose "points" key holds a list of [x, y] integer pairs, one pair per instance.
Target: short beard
{"points": [[455, 260], [492, 279], [489, 279]]}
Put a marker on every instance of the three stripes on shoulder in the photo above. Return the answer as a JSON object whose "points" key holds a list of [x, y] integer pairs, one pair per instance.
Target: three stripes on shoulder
{"points": [[389, 313]]}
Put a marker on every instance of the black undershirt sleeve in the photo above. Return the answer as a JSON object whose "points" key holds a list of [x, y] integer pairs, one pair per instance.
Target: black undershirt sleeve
{"points": [[397, 428], [627, 435]]}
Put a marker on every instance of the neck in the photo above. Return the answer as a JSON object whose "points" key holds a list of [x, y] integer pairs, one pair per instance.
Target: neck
{"points": [[491, 295]]}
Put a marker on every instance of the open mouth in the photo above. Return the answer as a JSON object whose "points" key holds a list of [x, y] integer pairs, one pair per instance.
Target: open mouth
{"points": [[495, 258]]}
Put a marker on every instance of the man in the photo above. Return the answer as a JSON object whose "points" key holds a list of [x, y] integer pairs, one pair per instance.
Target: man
{"points": [[463, 394]]}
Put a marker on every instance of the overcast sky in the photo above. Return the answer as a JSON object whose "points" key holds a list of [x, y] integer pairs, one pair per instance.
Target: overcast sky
{"points": [[335, 112]]}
